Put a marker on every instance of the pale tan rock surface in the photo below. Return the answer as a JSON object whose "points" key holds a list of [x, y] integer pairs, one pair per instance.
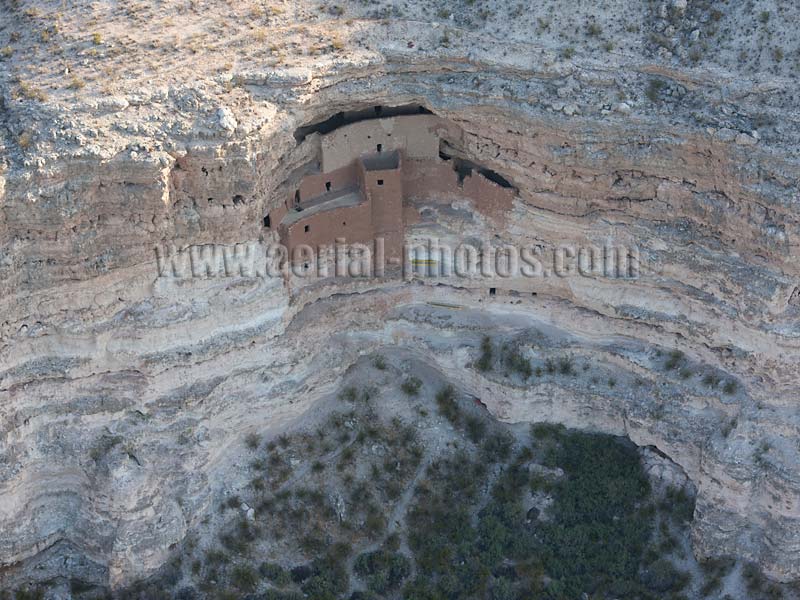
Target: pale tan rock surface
{"points": [[124, 395]]}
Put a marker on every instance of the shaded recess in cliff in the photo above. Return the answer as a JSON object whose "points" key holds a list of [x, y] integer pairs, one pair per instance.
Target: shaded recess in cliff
{"points": [[356, 115]]}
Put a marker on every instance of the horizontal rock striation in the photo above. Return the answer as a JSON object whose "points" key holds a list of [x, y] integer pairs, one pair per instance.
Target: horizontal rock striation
{"points": [[124, 395]]}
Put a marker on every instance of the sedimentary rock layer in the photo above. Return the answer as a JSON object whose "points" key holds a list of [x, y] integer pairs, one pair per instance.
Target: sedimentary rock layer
{"points": [[124, 395]]}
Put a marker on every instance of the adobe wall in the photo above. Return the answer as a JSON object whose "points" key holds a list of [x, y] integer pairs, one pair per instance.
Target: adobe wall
{"points": [[416, 135], [276, 216], [314, 185], [431, 179], [353, 223], [386, 201], [419, 173], [426, 179]]}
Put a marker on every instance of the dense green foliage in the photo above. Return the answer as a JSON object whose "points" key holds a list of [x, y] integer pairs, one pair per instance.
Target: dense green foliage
{"points": [[382, 570], [600, 525], [558, 516], [593, 540]]}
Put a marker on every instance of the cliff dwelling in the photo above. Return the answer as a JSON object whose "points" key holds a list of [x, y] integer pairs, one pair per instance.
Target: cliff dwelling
{"points": [[368, 172], [568, 369]]}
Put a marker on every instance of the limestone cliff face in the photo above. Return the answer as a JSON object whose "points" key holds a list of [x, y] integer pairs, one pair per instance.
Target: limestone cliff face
{"points": [[123, 395]]}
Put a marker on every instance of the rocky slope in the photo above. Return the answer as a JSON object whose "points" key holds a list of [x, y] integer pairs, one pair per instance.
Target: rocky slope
{"points": [[124, 396]]}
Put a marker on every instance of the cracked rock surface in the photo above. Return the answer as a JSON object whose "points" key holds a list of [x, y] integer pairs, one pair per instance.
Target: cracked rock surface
{"points": [[124, 396]]}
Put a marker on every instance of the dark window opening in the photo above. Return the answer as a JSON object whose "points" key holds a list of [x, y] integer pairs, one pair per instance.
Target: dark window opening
{"points": [[380, 181], [305, 228], [238, 199], [327, 186], [267, 222], [305, 266], [534, 294], [344, 222], [380, 147], [297, 196], [492, 291]]}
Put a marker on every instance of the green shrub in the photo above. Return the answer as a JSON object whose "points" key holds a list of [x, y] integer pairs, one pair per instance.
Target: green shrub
{"points": [[654, 87], [448, 407], [541, 483], [594, 30], [484, 363], [714, 570], [729, 426], [375, 521], [662, 576], [393, 541], [329, 579], [497, 447], [679, 505], [382, 570], [502, 589], [476, 428], [543, 431], [411, 386], [515, 362], [244, 578], [76, 586], [566, 366], [674, 359], [252, 440], [753, 578], [349, 394], [353, 395], [33, 593], [216, 557]]}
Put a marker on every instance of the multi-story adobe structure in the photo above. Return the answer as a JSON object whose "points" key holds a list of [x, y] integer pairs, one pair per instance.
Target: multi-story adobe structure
{"points": [[368, 170]]}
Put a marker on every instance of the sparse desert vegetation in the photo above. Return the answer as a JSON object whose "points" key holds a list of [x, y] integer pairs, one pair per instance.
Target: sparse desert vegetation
{"points": [[361, 505], [287, 442]]}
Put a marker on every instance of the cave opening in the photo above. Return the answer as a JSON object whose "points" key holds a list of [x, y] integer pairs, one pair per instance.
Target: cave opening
{"points": [[465, 167], [342, 118]]}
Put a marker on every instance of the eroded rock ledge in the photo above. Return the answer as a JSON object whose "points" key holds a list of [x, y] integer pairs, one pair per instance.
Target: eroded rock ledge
{"points": [[123, 395]]}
